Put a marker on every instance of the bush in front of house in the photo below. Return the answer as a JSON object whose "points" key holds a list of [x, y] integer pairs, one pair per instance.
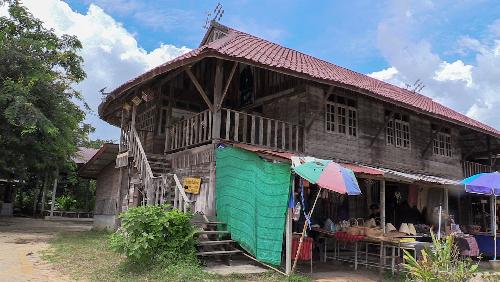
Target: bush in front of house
{"points": [[442, 262], [155, 234]]}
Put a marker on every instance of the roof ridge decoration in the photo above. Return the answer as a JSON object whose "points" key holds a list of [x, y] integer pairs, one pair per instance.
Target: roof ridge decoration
{"points": [[244, 47]]}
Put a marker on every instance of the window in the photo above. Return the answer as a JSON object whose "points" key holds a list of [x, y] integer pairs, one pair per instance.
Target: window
{"points": [[341, 115], [441, 144], [398, 130]]}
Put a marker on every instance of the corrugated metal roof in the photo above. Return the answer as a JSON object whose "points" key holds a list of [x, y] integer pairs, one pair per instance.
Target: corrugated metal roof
{"points": [[83, 155], [414, 177], [244, 47]]}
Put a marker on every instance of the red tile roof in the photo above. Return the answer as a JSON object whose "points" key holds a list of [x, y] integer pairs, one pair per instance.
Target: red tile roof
{"points": [[244, 47]]}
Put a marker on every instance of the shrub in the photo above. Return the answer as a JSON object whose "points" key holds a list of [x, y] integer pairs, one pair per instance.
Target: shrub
{"points": [[65, 203], [440, 263], [155, 234]]}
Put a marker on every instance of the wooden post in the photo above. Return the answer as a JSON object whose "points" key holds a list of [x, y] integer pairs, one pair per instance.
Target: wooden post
{"points": [[168, 123], [445, 200], [382, 204], [122, 121], [54, 191], [288, 234], [35, 199], [134, 113], [44, 192], [492, 214], [216, 127]]}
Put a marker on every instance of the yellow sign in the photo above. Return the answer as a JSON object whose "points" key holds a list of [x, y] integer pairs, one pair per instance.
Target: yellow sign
{"points": [[192, 185]]}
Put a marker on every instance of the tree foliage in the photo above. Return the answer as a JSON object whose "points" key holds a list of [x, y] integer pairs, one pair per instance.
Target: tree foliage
{"points": [[40, 123]]}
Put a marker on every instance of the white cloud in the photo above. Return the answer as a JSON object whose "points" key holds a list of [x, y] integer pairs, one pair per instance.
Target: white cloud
{"points": [[472, 88], [111, 53], [454, 71], [385, 74]]}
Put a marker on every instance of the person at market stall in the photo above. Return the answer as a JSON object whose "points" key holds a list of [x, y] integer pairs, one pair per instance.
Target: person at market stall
{"points": [[375, 213]]}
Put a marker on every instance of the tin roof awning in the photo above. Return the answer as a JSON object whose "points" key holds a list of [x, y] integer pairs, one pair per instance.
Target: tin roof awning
{"points": [[392, 174], [359, 169], [103, 157]]}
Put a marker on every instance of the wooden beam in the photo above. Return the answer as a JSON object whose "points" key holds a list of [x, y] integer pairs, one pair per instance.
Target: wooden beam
{"points": [[382, 205], [288, 92], [169, 77], [199, 88], [229, 79]]}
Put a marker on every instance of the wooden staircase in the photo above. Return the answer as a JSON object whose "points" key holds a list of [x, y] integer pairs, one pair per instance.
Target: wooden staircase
{"points": [[159, 164], [154, 172], [161, 186], [213, 243]]}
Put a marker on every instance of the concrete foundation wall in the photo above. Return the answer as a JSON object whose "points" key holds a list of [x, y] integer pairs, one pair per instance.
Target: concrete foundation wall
{"points": [[108, 222]]}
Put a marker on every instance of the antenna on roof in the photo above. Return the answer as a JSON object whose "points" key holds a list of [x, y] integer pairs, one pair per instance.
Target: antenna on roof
{"points": [[104, 95], [217, 15], [416, 87]]}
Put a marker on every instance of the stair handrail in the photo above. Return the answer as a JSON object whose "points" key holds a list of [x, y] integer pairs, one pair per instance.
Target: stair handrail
{"points": [[154, 184], [142, 164], [181, 200]]}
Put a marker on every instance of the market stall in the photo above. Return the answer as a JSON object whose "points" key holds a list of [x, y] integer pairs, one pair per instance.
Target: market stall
{"points": [[394, 212], [486, 184]]}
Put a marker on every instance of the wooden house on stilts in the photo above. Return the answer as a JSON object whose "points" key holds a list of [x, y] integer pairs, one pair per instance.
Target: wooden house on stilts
{"points": [[236, 88]]}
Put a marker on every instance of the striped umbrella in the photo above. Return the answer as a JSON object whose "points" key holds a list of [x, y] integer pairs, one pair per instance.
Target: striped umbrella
{"points": [[329, 175]]}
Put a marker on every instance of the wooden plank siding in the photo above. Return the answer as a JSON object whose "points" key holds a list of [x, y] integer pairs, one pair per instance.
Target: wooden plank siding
{"points": [[370, 119]]}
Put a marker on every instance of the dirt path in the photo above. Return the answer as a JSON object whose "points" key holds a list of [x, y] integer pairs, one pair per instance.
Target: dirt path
{"points": [[21, 242]]}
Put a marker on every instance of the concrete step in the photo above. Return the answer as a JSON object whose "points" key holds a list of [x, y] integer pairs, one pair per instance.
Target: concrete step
{"points": [[212, 232], [214, 243], [208, 223], [213, 253]]}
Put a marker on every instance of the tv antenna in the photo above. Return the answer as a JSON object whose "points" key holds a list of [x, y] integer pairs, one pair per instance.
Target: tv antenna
{"points": [[217, 15], [416, 87]]}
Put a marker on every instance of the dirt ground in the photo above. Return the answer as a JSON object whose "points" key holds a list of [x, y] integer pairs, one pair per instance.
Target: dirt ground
{"points": [[22, 241]]}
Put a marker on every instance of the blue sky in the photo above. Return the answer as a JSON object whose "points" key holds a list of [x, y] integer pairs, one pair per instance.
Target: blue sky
{"points": [[452, 46], [343, 32]]}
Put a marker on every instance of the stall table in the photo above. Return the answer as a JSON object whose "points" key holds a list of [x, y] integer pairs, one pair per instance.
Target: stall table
{"points": [[361, 250], [485, 243]]}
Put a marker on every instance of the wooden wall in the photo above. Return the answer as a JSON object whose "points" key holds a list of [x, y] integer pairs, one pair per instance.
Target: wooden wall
{"points": [[370, 120], [198, 162], [108, 185]]}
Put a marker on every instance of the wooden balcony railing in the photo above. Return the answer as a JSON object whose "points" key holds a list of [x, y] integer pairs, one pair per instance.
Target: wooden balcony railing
{"points": [[257, 130], [190, 132], [236, 127], [471, 168]]}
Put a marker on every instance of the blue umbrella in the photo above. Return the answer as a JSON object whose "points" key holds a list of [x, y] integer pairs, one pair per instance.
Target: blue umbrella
{"points": [[483, 183], [486, 184]]}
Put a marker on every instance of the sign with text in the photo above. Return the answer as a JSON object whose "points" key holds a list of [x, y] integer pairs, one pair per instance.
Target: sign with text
{"points": [[192, 185]]}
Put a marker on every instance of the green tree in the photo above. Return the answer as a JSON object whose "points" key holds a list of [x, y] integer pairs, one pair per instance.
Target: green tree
{"points": [[40, 122]]}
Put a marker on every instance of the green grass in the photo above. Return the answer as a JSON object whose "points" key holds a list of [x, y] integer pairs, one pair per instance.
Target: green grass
{"points": [[87, 256]]}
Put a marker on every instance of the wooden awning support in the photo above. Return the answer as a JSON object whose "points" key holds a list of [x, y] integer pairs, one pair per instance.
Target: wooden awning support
{"points": [[199, 88]]}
